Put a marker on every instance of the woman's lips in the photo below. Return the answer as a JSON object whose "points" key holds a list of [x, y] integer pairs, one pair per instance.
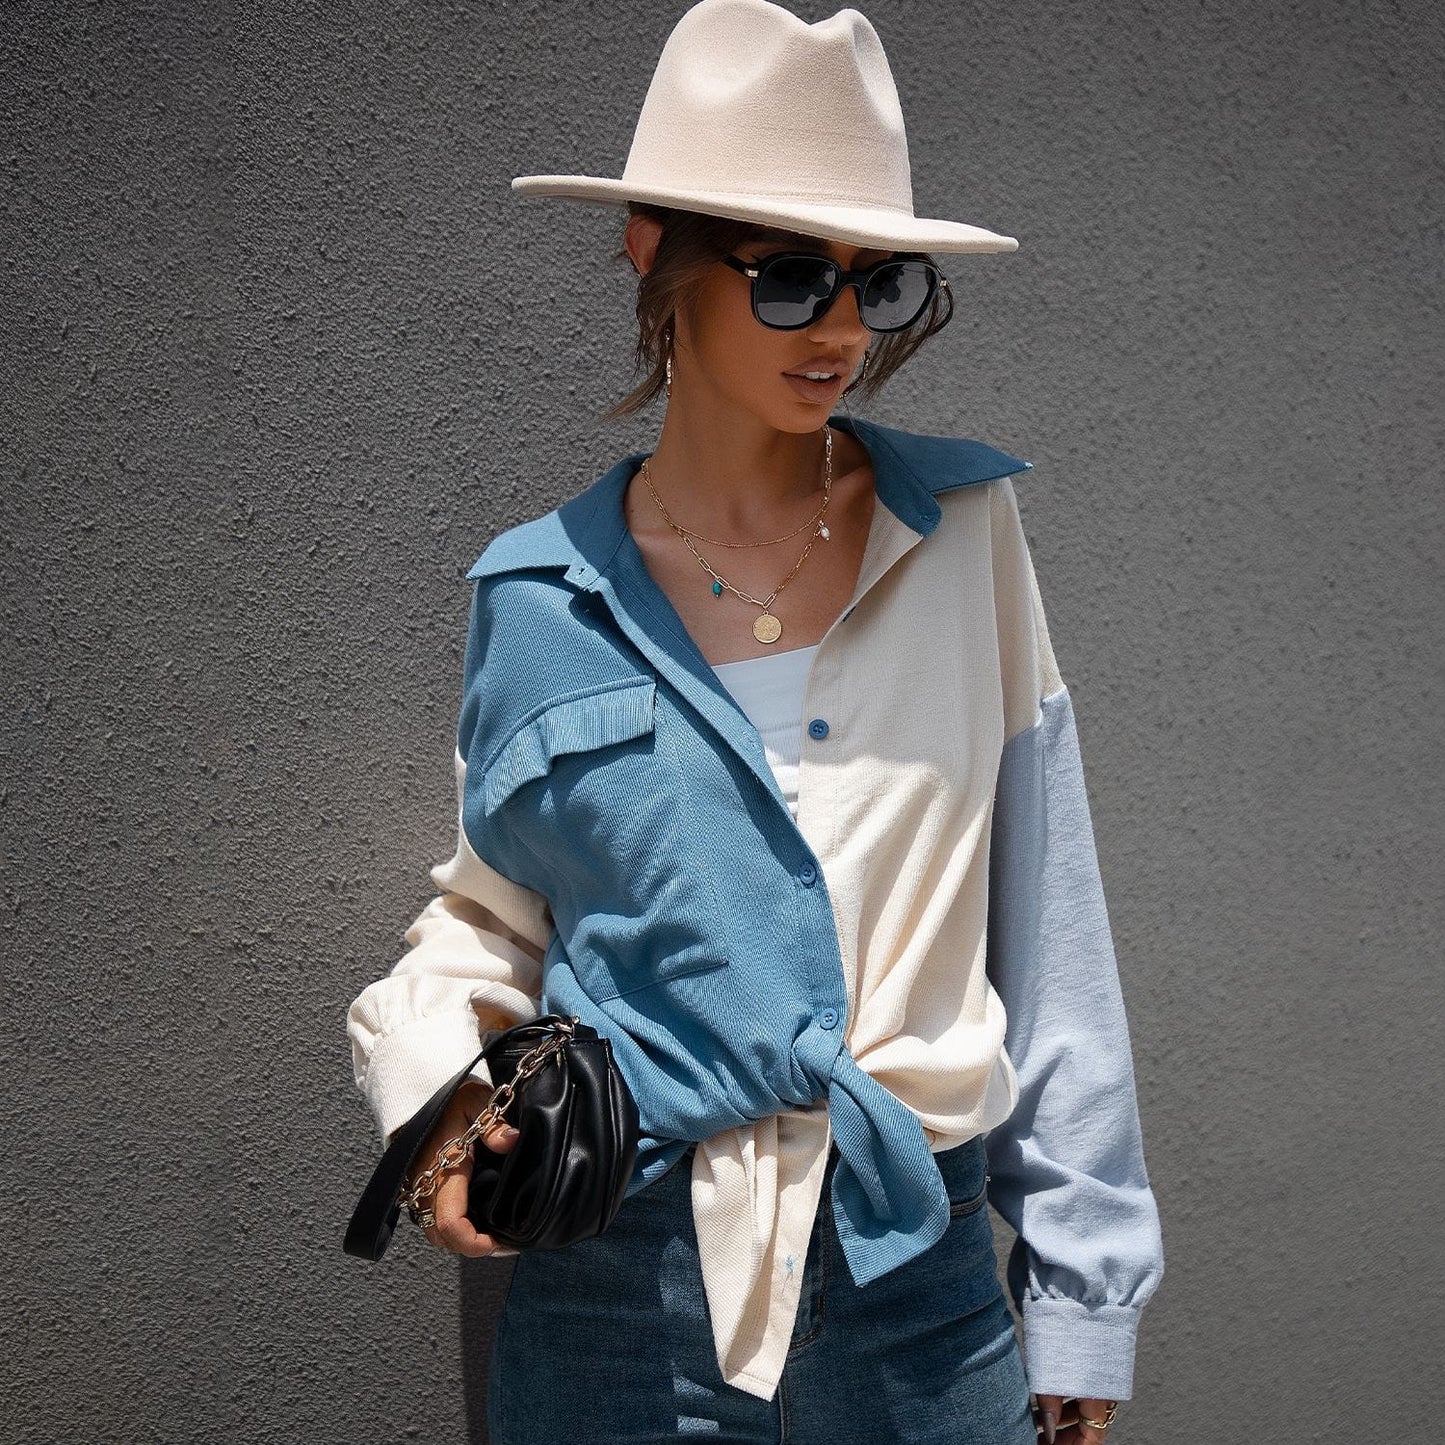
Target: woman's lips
{"points": [[815, 391]]}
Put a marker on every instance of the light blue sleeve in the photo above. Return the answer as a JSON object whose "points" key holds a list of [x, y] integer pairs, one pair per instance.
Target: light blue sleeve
{"points": [[1067, 1167]]}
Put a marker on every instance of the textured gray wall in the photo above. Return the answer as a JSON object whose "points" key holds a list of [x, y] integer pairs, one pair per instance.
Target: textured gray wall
{"points": [[281, 352]]}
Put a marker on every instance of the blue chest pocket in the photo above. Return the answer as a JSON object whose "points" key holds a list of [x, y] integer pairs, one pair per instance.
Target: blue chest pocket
{"points": [[594, 719], [593, 786]]}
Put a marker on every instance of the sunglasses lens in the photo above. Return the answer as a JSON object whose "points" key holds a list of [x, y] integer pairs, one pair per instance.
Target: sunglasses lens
{"points": [[791, 289], [896, 295]]}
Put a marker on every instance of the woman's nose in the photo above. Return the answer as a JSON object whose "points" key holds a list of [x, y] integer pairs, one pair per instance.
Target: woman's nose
{"points": [[841, 318]]}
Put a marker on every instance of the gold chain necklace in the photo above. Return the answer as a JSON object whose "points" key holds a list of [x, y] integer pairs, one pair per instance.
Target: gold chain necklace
{"points": [[766, 628]]}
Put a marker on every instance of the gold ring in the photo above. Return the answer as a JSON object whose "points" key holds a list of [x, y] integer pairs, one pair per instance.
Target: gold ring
{"points": [[1103, 1424], [422, 1216]]}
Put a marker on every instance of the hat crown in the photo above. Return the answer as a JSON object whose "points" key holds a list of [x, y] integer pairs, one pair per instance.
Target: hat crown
{"points": [[806, 112]]}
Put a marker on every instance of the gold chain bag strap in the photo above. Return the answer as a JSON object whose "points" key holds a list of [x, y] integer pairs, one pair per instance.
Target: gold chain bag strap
{"points": [[557, 1083], [455, 1150]]}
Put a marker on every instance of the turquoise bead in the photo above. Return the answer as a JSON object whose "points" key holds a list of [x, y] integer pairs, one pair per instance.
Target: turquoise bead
{"points": [[717, 589]]}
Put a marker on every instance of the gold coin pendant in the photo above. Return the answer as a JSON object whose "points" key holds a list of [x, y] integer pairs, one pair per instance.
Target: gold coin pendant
{"points": [[767, 628]]}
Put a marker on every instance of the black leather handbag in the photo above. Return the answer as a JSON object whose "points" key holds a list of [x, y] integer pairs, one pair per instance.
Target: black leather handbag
{"points": [[556, 1082]]}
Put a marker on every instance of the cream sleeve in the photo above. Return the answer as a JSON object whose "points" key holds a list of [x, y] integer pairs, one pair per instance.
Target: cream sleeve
{"points": [[475, 963]]}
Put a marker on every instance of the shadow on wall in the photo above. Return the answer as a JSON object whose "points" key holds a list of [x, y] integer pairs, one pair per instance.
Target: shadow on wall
{"points": [[484, 1285]]}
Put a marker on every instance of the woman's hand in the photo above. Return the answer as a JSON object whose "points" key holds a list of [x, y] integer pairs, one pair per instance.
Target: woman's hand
{"points": [[1068, 1428], [453, 1230]]}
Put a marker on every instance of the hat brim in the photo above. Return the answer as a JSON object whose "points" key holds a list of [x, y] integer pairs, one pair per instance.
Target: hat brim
{"points": [[860, 225]]}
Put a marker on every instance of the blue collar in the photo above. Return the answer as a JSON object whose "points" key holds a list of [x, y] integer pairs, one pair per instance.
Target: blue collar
{"points": [[583, 535]]}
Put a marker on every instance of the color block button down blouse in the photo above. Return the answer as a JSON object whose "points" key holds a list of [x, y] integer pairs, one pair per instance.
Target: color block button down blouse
{"points": [[921, 956]]}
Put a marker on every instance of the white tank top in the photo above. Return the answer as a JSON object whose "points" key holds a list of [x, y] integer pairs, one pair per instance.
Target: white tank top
{"points": [[769, 689]]}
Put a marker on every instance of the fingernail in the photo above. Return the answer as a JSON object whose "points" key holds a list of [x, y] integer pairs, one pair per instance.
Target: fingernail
{"points": [[1051, 1425], [508, 1132]]}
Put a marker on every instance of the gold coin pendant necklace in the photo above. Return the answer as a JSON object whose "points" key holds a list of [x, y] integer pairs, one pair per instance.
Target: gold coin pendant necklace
{"points": [[766, 627]]}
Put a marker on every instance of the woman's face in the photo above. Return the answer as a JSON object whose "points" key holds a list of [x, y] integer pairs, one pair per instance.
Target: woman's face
{"points": [[728, 358]]}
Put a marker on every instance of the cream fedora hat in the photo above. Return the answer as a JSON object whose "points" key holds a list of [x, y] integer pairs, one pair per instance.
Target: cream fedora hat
{"points": [[756, 115]]}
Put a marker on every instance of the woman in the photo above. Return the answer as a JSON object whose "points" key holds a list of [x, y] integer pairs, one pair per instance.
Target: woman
{"points": [[767, 772]]}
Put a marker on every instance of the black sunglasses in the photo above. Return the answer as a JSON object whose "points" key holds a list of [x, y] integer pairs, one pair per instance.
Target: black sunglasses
{"points": [[792, 289]]}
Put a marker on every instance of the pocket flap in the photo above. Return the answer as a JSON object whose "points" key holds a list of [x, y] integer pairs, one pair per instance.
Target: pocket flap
{"points": [[612, 713]]}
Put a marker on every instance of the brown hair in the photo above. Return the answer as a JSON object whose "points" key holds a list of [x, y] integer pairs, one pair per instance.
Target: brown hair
{"points": [[690, 245]]}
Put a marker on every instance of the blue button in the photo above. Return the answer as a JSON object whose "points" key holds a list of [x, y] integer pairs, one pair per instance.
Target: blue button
{"points": [[818, 728], [808, 874], [828, 1018]]}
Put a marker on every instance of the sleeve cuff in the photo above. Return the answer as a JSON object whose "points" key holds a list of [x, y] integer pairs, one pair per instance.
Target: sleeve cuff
{"points": [[1086, 1350], [409, 1064]]}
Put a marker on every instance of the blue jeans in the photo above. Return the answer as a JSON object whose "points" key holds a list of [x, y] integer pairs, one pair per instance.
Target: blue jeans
{"points": [[609, 1340]]}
